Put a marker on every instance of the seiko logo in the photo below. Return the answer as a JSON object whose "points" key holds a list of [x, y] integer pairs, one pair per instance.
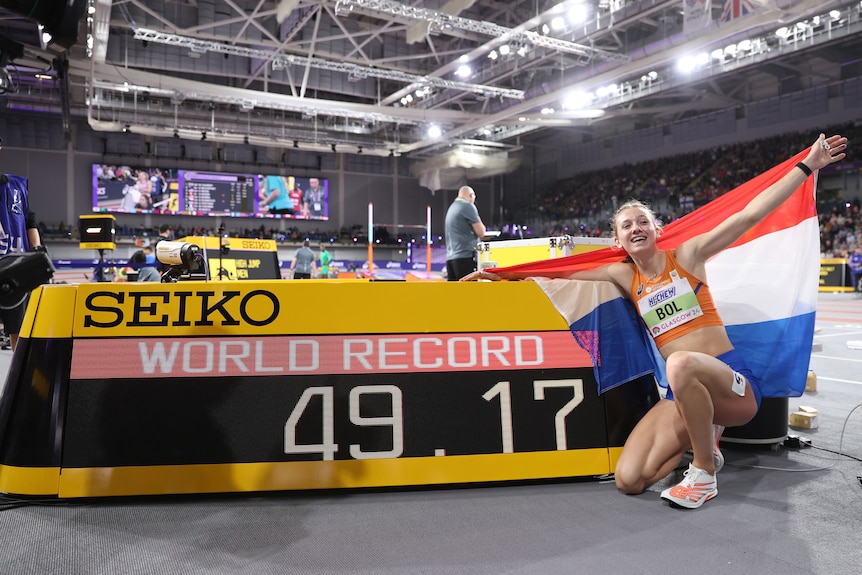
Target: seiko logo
{"points": [[255, 244], [107, 309]]}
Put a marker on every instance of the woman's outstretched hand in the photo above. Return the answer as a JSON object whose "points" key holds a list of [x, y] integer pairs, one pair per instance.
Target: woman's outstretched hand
{"points": [[480, 275], [826, 151]]}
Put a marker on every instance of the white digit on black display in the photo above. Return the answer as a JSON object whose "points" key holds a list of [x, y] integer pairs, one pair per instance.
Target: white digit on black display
{"points": [[502, 389], [327, 447], [395, 421], [539, 387]]}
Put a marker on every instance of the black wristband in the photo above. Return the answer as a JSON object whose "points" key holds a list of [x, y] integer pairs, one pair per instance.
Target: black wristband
{"points": [[39, 248], [804, 168]]}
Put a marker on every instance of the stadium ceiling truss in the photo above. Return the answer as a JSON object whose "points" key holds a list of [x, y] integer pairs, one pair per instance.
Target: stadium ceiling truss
{"points": [[379, 76]]}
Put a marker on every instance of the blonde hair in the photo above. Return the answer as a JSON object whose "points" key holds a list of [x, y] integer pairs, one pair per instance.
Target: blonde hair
{"points": [[634, 204]]}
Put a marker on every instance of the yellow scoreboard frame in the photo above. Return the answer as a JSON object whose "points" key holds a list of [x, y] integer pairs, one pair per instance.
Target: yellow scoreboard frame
{"points": [[272, 385], [239, 258]]}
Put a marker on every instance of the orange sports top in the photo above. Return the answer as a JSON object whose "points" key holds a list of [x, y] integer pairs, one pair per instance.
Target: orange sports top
{"points": [[673, 304]]}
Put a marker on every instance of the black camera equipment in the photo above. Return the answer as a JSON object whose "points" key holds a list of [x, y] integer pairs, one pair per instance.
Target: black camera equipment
{"points": [[20, 273], [186, 261]]}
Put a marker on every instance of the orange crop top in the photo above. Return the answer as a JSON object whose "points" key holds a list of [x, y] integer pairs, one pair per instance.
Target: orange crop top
{"points": [[673, 304]]}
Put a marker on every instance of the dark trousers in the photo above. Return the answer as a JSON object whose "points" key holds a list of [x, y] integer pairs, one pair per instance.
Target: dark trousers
{"points": [[459, 267]]}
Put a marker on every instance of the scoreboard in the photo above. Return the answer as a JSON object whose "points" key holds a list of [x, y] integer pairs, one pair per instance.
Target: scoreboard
{"points": [[212, 193]]}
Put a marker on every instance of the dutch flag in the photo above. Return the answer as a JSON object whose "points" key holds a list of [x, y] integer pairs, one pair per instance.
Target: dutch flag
{"points": [[765, 288]]}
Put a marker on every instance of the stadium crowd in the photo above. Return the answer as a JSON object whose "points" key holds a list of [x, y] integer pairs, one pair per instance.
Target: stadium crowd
{"points": [[674, 186]]}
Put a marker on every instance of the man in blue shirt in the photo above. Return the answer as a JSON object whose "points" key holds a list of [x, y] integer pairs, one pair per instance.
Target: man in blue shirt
{"points": [[855, 263], [18, 233], [314, 200]]}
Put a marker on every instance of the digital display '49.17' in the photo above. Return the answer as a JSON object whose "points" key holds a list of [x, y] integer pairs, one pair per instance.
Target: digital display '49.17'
{"points": [[457, 414]]}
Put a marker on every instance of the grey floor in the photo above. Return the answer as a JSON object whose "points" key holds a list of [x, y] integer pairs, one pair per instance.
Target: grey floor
{"points": [[789, 511]]}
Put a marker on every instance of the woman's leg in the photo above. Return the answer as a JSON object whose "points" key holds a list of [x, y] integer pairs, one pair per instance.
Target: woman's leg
{"points": [[653, 448], [703, 389]]}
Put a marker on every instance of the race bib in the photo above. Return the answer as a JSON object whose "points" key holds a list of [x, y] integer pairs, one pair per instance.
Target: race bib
{"points": [[669, 306]]}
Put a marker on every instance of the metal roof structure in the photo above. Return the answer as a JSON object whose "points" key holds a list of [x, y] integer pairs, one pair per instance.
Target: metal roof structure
{"points": [[379, 76]]}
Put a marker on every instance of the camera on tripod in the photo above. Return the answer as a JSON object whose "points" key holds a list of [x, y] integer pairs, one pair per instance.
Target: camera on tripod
{"points": [[186, 261]]}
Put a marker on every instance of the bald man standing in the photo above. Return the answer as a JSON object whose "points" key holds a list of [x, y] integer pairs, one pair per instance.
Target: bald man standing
{"points": [[464, 228]]}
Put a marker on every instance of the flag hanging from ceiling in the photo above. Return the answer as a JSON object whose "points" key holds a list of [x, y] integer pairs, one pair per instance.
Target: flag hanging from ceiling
{"points": [[696, 14], [734, 9], [765, 288]]}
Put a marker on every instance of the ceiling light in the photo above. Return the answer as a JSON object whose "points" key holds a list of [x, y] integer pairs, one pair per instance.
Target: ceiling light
{"points": [[522, 51], [577, 14], [126, 129], [558, 23], [434, 131], [504, 50], [464, 70], [44, 36], [492, 54], [687, 64]]}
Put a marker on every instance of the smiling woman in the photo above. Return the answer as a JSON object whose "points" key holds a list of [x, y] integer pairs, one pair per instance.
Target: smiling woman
{"points": [[709, 381]]}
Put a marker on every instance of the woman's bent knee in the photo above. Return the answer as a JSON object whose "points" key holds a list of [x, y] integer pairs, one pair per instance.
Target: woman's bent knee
{"points": [[629, 481]]}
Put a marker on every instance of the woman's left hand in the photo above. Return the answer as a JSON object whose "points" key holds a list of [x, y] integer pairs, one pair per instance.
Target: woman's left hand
{"points": [[826, 151]]}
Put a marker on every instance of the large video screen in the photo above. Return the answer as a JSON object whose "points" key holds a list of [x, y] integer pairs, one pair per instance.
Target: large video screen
{"points": [[293, 197], [126, 189]]}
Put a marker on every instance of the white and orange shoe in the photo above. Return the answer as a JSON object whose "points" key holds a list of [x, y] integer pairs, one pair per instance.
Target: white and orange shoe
{"points": [[696, 488]]}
